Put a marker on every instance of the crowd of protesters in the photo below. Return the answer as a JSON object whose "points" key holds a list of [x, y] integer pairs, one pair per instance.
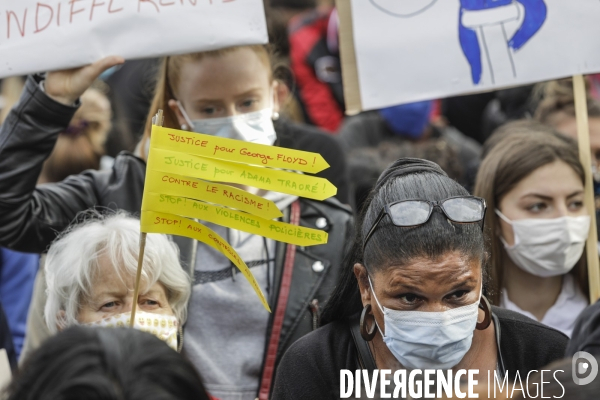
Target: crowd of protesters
{"points": [[457, 237]]}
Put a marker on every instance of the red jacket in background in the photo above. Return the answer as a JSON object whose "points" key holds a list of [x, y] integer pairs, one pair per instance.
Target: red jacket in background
{"points": [[315, 62]]}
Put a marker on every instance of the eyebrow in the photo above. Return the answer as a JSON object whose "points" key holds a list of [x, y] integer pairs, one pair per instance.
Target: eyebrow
{"points": [[416, 289], [153, 292], [463, 283], [541, 196], [246, 93], [112, 294]]}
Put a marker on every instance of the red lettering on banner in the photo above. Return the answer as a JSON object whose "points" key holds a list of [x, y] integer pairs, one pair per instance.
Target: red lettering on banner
{"points": [[110, 10], [147, 1], [94, 5], [166, 4], [72, 2], [19, 27], [37, 19]]}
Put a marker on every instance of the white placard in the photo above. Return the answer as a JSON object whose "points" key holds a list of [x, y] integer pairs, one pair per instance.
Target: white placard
{"points": [[410, 50], [55, 34]]}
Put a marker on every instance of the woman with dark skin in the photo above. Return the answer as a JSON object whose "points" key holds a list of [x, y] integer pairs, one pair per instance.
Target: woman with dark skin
{"points": [[410, 296]]}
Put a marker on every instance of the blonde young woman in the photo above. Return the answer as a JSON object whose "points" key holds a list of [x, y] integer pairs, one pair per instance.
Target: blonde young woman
{"points": [[230, 92]]}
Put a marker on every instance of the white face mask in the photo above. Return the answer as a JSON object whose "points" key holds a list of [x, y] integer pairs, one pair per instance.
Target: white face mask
{"points": [[254, 127], [164, 327], [547, 247], [429, 340]]}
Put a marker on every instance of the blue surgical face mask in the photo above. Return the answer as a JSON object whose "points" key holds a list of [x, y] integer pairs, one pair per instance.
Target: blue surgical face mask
{"points": [[408, 120], [428, 340]]}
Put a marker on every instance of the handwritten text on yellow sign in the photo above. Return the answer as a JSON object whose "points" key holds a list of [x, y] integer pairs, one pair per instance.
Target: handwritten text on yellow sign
{"points": [[224, 171], [236, 150], [276, 230], [154, 222], [178, 185]]}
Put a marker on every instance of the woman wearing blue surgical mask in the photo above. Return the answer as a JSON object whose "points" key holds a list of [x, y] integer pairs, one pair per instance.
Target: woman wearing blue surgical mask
{"points": [[229, 336], [532, 180], [411, 294]]}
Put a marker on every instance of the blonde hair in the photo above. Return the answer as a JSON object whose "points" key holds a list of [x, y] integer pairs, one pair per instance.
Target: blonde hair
{"points": [[169, 78]]}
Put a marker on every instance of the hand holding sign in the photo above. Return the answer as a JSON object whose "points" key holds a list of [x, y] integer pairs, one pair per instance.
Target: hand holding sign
{"points": [[68, 85]]}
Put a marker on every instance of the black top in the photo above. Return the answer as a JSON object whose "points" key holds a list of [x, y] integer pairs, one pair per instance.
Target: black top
{"points": [[309, 138], [586, 334], [310, 369]]}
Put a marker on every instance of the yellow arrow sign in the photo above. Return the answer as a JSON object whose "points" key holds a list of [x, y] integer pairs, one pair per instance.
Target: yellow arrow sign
{"points": [[224, 171], [236, 150], [178, 185], [153, 222], [276, 230]]}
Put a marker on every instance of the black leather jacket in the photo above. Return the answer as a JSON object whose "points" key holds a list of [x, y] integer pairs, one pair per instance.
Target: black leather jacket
{"points": [[31, 216]]}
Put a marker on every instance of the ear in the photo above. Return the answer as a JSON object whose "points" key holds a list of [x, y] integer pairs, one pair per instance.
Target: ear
{"points": [[280, 95], [360, 271], [61, 320], [177, 111]]}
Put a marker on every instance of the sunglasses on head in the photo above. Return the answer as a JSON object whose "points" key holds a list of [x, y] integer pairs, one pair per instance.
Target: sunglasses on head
{"points": [[412, 213]]}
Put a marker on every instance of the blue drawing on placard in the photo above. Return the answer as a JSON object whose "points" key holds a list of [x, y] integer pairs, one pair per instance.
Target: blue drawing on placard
{"points": [[472, 46], [474, 16], [403, 8]]}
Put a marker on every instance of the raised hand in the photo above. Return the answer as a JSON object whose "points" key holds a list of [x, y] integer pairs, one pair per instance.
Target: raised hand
{"points": [[68, 85]]}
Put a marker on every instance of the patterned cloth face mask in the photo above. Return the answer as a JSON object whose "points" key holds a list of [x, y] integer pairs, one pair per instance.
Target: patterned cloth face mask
{"points": [[164, 327]]}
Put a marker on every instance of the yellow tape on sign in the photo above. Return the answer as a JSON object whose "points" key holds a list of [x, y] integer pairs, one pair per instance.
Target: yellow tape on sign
{"points": [[178, 185], [225, 171], [154, 222], [236, 150], [276, 230]]}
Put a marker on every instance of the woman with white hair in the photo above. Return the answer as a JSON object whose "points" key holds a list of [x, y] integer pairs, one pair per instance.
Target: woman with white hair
{"points": [[90, 275]]}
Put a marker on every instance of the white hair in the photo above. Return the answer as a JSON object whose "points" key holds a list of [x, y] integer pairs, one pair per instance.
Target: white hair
{"points": [[73, 263]]}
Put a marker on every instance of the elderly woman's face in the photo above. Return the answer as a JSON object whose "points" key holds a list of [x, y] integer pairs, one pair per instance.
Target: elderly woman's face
{"points": [[423, 284], [111, 296]]}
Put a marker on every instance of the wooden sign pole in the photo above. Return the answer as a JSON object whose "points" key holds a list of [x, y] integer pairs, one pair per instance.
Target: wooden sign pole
{"points": [[157, 120], [583, 133]]}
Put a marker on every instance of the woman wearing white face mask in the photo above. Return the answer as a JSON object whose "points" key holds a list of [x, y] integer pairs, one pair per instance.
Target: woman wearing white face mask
{"points": [[90, 275], [411, 294], [234, 93], [232, 340], [532, 178]]}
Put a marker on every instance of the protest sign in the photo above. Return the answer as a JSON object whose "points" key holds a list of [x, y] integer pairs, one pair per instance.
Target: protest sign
{"points": [[177, 185], [402, 51], [155, 222], [238, 151], [241, 221], [38, 36], [176, 189], [225, 171]]}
